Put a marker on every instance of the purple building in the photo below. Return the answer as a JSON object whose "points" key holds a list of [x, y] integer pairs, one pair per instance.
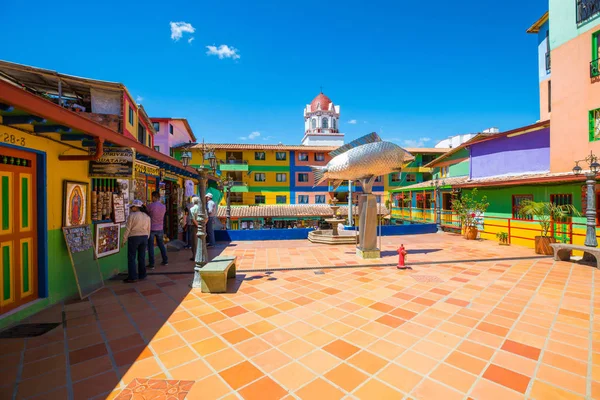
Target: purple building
{"points": [[507, 154]]}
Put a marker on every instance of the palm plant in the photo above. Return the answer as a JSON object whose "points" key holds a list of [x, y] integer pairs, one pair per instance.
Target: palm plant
{"points": [[546, 213]]}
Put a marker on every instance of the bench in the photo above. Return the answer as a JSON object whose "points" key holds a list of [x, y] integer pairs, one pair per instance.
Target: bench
{"points": [[562, 252], [215, 273]]}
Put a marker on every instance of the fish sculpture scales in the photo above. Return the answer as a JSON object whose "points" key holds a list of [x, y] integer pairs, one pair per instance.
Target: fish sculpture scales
{"points": [[362, 159]]}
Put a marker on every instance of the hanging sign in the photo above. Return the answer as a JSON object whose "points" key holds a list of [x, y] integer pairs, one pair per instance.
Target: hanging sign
{"points": [[146, 169], [117, 161]]}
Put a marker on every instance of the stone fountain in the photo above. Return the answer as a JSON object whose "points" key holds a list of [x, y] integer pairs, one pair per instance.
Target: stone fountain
{"points": [[333, 236]]}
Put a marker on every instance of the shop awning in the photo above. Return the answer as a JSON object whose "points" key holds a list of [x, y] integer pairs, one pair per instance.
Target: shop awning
{"points": [[20, 107]]}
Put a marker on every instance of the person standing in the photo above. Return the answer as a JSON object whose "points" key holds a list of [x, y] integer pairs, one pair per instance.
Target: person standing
{"points": [[194, 227], [157, 211], [211, 207], [136, 235]]}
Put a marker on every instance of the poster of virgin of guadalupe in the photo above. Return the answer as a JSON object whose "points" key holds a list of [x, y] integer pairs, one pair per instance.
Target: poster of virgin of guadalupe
{"points": [[75, 203]]}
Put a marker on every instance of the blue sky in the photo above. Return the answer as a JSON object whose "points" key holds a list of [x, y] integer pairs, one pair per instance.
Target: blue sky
{"points": [[408, 69]]}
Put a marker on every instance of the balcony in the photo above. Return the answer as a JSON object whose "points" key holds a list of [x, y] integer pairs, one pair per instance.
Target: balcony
{"points": [[239, 187], [594, 71], [548, 63], [234, 165], [586, 10]]}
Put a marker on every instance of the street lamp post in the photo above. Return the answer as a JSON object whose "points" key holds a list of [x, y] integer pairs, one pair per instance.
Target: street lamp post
{"points": [[437, 184], [201, 256], [228, 186], [590, 212]]}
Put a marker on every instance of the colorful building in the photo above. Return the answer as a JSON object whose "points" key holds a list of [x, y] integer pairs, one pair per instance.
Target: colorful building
{"points": [[171, 132], [570, 94], [507, 168], [58, 135], [281, 174]]}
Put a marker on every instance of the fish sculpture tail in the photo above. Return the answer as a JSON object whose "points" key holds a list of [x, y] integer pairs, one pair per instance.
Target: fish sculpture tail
{"points": [[319, 173]]}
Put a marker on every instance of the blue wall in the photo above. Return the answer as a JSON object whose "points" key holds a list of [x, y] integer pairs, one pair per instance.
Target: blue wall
{"points": [[301, 233]]}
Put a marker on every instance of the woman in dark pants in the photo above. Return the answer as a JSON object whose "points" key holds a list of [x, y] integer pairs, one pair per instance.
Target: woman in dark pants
{"points": [[136, 236]]}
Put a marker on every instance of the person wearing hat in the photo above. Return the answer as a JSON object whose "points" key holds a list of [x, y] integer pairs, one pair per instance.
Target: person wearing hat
{"points": [[211, 209], [136, 236]]}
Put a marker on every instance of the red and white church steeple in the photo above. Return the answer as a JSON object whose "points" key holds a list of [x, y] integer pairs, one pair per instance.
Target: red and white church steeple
{"points": [[321, 123]]}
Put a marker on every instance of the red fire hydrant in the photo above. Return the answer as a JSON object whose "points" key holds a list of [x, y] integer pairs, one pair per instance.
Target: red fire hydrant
{"points": [[402, 257]]}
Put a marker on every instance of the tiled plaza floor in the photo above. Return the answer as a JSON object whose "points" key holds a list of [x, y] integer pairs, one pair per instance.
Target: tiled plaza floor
{"points": [[494, 329]]}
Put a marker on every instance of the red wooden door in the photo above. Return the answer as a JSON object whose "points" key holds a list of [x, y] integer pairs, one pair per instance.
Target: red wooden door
{"points": [[18, 229]]}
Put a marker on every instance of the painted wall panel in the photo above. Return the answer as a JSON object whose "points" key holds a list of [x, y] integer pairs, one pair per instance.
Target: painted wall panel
{"points": [[511, 155]]}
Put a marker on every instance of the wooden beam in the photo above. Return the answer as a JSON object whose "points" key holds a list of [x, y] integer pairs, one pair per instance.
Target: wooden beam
{"points": [[22, 120], [51, 129], [75, 137], [6, 107]]}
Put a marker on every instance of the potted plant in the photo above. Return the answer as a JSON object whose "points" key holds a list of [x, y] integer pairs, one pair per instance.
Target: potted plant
{"points": [[545, 214], [468, 209], [503, 238]]}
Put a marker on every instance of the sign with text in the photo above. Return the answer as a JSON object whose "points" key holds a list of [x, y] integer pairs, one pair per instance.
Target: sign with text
{"points": [[146, 169], [115, 162]]}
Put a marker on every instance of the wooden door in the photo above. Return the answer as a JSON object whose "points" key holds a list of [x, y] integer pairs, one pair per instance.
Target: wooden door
{"points": [[18, 229]]}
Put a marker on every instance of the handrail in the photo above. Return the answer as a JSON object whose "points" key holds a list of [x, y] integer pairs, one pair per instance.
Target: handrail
{"points": [[449, 219]]}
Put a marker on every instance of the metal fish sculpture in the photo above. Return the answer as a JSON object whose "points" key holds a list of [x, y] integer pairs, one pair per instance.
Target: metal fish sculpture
{"points": [[364, 158]]}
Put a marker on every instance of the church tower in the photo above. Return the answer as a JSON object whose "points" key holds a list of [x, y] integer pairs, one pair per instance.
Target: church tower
{"points": [[321, 123]]}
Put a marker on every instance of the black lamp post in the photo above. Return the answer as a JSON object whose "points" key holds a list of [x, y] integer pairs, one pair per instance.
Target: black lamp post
{"points": [[201, 256], [437, 184], [590, 212]]}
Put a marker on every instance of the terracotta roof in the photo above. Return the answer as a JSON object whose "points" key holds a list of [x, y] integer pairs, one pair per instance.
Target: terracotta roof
{"points": [[289, 210], [538, 178], [321, 98], [249, 146], [427, 184], [505, 180]]}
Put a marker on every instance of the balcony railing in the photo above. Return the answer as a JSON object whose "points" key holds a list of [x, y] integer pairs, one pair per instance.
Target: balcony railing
{"points": [[236, 161], [239, 183], [548, 67], [594, 70], [586, 9]]}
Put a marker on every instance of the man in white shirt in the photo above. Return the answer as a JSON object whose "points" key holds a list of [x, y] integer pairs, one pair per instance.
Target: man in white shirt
{"points": [[211, 209]]}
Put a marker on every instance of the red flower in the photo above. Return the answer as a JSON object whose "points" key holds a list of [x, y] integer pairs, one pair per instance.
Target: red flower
{"points": [[473, 215]]}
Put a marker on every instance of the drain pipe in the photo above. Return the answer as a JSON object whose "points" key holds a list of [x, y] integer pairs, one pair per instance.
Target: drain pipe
{"points": [[89, 157]]}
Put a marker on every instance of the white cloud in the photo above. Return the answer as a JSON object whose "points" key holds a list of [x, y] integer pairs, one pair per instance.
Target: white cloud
{"points": [[190, 40], [420, 142], [139, 99], [352, 121], [223, 51], [251, 136], [365, 122], [268, 138], [178, 28]]}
